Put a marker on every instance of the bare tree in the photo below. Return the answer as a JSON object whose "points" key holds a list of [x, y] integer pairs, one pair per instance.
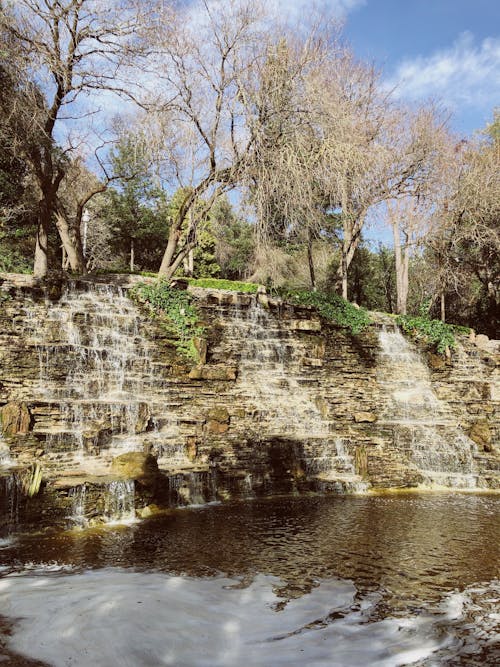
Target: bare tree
{"points": [[227, 115], [412, 184], [465, 240], [76, 50]]}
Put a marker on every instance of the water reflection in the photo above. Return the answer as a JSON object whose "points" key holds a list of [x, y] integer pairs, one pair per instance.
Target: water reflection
{"points": [[411, 547]]}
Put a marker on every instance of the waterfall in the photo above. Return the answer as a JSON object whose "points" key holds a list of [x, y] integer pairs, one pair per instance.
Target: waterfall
{"points": [[10, 494], [6, 460], [271, 378], [337, 469], [96, 376], [120, 502], [192, 488], [424, 428], [78, 494], [270, 374]]}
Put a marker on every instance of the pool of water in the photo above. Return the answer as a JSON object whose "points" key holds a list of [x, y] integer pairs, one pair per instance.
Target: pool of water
{"points": [[348, 581]]}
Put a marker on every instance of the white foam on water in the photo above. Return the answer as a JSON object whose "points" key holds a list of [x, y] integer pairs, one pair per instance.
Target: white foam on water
{"points": [[114, 617]]}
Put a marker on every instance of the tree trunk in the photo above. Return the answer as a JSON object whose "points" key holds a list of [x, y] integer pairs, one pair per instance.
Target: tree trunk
{"points": [[402, 258], [310, 260], [72, 246], [344, 267], [443, 307], [189, 263], [41, 262], [168, 257], [132, 257]]}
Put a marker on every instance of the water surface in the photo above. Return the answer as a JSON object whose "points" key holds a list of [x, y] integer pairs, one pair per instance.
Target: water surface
{"points": [[387, 580]]}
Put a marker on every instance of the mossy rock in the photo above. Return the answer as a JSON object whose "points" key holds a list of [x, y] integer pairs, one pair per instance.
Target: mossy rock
{"points": [[219, 414], [135, 465]]}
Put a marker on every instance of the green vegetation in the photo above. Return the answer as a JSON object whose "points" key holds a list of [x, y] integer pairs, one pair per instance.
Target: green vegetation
{"points": [[4, 296], [175, 311], [433, 332], [216, 283], [330, 306]]}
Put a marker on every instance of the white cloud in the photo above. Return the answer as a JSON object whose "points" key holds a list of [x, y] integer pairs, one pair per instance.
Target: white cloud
{"points": [[467, 73], [337, 8]]}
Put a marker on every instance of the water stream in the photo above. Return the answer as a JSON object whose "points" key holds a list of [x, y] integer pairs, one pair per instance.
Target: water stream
{"points": [[271, 378], [425, 429]]}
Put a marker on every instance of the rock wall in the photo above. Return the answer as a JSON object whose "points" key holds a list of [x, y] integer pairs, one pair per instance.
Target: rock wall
{"points": [[283, 401]]}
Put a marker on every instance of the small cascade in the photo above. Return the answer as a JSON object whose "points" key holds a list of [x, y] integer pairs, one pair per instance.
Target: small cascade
{"points": [[78, 495], [192, 488], [120, 502], [10, 497], [336, 469], [6, 460], [270, 374], [271, 377], [424, 428]]}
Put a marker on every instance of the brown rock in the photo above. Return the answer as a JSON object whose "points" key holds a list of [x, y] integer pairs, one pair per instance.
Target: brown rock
{"points": [[481, 434], [149, 510], [191, 448], [322, 406], [143, 417], [263, 300], [15, 418], [135, 465], [365, 417], [436, 361], [484, 343], [217, 427], [305, 325], [310, 361], [213, 373]]}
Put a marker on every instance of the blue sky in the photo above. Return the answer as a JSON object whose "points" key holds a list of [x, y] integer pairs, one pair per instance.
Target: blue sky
{"points": [[439, 49]]}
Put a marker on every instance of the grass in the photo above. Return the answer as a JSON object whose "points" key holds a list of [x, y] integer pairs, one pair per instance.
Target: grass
{"points": [[232, 285], [330, 306]]}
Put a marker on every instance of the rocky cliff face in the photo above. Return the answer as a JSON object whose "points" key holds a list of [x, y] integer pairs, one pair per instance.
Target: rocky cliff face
{"points": [[282, 402]]}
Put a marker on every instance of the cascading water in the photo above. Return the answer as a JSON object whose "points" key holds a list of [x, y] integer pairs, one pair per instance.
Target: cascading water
{"points": [[271, 377], [269, 374], [6, 460], [78, 495], [10, 494], [424, 429], [336, 467], [120, 502], [99, 400]]}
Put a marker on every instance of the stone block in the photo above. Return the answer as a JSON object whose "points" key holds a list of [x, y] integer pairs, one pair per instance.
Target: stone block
{"points": [[219, 414], [201, 347], [191, 448], [135, 465], [310, 361], [480, 433], [364, 417], [305, 325], [213, 373], [16, 418], [217, 427]]}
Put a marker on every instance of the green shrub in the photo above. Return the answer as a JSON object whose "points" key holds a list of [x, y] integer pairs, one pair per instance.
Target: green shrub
{"points": [[330, 306], [216, 283], [176, 312], [432, 332]]}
